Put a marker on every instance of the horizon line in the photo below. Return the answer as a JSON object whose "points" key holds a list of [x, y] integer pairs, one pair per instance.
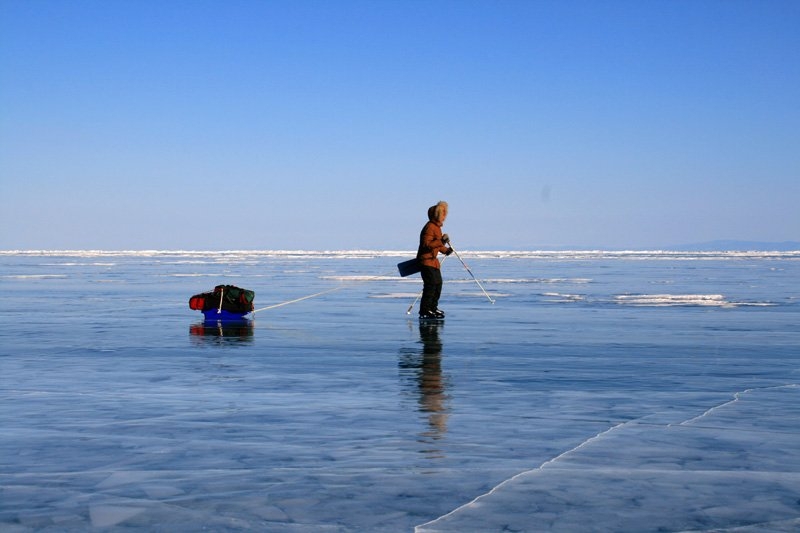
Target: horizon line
{"points": [[403, 252]]}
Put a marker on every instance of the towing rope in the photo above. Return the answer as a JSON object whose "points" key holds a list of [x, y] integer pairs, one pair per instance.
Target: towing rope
{"points": [[316, 294], [297, 299]]}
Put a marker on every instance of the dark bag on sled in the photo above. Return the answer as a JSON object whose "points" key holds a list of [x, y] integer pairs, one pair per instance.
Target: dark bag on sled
{"points": [[227, 297]]}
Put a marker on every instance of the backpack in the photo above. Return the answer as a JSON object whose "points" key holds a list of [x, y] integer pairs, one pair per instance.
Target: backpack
{"points": [[227, 297]]}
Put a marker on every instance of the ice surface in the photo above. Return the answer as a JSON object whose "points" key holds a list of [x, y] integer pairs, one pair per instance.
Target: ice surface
{"points": [[561, 407], [735, 465]]}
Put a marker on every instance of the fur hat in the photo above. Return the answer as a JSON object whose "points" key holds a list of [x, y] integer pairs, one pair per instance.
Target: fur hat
{"points": [[438, 212]]}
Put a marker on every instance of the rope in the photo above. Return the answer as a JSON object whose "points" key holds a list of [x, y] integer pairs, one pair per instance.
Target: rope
{"points": [[297, 299], [274, 306], [315, 295]]}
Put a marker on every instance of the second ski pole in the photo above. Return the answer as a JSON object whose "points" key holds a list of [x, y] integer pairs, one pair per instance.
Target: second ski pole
{"points": [[471, 274]]}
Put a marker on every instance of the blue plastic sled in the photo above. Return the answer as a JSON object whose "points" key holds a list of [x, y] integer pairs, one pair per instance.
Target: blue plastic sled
{"points": [[223, 315]]}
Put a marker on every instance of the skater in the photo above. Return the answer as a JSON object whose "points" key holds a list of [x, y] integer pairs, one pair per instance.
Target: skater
{"points": [[431, 243]]}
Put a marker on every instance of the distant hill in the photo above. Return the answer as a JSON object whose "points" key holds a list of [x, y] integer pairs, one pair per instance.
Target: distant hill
{"points": [[739, 246]]}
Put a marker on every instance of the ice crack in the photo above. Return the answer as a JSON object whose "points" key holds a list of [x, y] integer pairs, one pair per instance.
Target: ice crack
{"points": [[525, 472], [736, 397]]}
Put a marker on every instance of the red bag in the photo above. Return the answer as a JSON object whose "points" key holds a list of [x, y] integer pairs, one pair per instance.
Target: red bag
{"points": [[197, 302]]}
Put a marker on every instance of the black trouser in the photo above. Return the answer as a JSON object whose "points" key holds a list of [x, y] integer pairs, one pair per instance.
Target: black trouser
{"points": [[431, 289]]}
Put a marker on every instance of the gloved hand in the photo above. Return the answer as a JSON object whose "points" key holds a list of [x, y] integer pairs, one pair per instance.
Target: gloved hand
{"points": [[448, 251], [445, 238]]}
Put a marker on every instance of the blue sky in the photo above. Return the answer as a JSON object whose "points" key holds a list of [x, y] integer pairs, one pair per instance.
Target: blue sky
{"points": [[333, 125]]}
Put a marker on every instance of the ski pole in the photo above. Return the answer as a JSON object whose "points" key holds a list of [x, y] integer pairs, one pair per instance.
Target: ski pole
{"points": [[410, 307], [471, 274]]}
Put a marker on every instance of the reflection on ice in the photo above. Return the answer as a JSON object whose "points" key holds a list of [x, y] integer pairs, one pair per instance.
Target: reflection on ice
{"points": [[228, 331], [422, 371]]}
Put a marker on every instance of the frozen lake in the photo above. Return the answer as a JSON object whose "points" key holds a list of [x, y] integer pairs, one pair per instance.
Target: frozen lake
{"points": [[645, 391]]}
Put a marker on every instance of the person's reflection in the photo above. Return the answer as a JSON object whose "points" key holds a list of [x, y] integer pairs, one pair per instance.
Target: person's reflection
{"points": [[425, 367]]}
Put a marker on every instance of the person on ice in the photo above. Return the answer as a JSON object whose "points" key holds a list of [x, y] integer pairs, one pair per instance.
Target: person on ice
{"points": [[431, 243]]}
